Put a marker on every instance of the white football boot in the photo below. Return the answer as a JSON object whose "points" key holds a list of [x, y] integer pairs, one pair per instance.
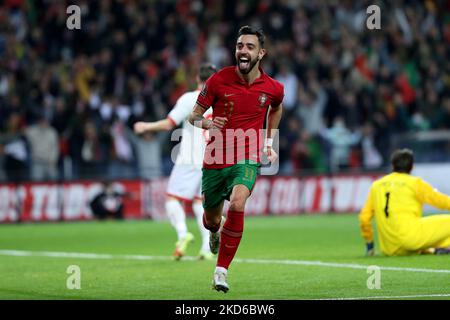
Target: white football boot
{"points": [[220, 280]]}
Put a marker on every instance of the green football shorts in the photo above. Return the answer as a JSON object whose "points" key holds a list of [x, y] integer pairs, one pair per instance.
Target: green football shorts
{"points": [[217, 184]]}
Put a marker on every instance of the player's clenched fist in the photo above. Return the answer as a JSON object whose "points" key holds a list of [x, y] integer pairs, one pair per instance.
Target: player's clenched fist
{"points": [[272, 156], [140, 127], [217, 123]]}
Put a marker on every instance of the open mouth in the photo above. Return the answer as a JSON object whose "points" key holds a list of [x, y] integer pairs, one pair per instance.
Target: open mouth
{"points": [[244, 63]]}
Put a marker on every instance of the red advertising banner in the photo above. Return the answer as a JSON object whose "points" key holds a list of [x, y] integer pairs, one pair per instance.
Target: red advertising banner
{"points": [[271, 195], [66, 201], [293, 195]]}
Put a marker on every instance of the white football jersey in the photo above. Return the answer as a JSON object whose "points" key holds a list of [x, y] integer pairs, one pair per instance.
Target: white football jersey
{"points": [[193, 140]]}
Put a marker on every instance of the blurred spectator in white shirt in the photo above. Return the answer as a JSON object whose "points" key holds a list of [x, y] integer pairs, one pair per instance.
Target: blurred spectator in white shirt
{"points": [[341, 140], [44, 146], [371, 156], [311, 107]]}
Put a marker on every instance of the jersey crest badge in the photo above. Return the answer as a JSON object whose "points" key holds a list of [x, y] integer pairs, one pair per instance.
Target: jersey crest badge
{"points": [[262, 100]]}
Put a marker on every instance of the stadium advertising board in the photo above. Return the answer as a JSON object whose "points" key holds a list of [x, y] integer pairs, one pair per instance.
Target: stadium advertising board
{"points": [[271, 195], [59, 202]]}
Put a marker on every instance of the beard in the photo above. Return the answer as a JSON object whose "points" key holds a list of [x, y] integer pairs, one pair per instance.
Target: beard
{"points": [[246, 67]]}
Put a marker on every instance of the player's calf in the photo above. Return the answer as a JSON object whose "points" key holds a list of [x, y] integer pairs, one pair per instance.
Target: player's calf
{"points": [[214, 238], [212, 225]]}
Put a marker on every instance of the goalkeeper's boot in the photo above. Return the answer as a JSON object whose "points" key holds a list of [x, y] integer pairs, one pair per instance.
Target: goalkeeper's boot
{"points": [[214, 238], [220, 281], [442, 250], [181, 246]]}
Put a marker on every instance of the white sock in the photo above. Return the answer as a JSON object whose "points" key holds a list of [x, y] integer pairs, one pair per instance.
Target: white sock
{"points": [[198, 211], [221, 270], [177, 217]]}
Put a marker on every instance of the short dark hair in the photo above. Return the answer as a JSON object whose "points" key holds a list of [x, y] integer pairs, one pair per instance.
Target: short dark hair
{"points": [[257, 32], [402, 160], [206, 70]]}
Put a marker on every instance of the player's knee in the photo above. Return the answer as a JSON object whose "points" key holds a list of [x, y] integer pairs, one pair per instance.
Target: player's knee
{"points": [[238, 198], [237, 204]]}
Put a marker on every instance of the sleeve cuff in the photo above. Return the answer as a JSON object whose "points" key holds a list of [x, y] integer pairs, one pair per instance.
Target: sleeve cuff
{"points": [[172, 121]]}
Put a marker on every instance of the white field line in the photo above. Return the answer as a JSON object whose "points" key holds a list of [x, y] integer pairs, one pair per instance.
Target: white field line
{"points": [[53, 254], [340, 265], [393, 297]]}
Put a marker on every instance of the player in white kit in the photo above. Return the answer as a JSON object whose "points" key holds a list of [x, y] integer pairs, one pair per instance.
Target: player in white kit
{"points": [[185, 178]]}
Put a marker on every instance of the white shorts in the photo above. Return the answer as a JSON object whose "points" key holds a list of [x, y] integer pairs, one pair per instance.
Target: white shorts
{"points": [[185, 182]]}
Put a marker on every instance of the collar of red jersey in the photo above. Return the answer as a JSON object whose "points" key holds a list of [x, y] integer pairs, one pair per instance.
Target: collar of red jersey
{"points": [[257, 80]]}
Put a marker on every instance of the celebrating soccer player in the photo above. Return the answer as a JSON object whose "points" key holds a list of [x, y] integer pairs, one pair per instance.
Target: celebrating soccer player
{"points": [[243, 97], [185, 178], [396, 201]]}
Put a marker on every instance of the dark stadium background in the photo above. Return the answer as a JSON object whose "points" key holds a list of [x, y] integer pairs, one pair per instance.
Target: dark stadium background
{"points": [[352, 94]]}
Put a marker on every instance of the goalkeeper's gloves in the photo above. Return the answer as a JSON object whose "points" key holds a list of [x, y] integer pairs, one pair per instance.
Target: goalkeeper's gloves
{"points": [[370, 251]]}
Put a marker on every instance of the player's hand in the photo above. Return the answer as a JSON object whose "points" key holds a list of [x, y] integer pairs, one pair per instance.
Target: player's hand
{"points": [[218, 123], [272, 156], [140, 127], [370, 250]]}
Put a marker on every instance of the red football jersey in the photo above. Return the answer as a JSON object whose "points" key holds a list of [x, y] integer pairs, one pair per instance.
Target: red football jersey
{"points": [[245, 106]]}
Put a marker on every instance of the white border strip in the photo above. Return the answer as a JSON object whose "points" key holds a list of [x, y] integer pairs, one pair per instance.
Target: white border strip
{"points": [[53, 254], [393, 297]]}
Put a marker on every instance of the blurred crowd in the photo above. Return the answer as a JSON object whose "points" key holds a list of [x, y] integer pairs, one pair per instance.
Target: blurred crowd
{"points": [[68, 98]]}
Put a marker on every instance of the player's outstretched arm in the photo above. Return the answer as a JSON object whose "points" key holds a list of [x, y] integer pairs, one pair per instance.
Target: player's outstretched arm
{"points": [[161, 125], [429, 195], [197, 119]]}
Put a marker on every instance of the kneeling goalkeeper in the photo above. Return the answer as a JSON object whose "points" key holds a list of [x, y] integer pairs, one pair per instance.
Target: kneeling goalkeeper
{"points": [[396, 201]]}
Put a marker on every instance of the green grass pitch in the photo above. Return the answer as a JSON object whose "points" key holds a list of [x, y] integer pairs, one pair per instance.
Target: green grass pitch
{"points": [[286, 255]]}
